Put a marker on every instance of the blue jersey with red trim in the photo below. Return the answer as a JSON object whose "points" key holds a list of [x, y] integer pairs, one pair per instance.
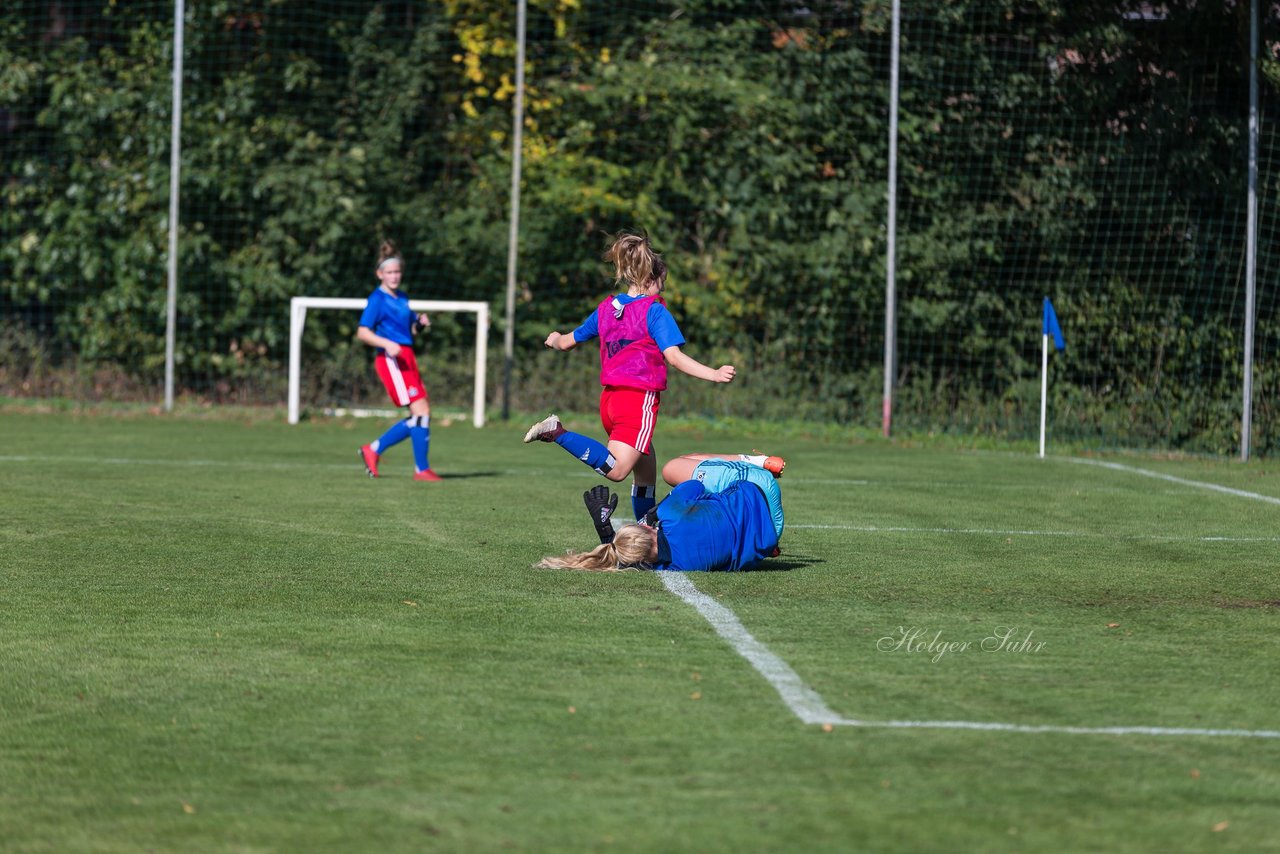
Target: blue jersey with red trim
{"points": [[389, 316]]}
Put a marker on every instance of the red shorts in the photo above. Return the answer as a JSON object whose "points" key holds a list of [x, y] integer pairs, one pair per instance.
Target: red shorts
{"points": [[400, 376], [629, 416]]}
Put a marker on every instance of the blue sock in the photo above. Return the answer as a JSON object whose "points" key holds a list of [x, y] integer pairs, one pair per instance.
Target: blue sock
{"points": [[397, 434], [421, 434], [587, 450], [642, 499]]}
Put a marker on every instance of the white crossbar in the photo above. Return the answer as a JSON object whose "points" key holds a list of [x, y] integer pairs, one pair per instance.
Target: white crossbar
{"points": [[298, 319]]}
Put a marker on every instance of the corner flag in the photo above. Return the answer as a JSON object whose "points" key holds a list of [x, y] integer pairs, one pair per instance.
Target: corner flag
{"points": [[1051, 326]]}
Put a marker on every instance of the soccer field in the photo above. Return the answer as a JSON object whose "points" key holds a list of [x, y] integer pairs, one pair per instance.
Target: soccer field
{"points": [[218, 634]]}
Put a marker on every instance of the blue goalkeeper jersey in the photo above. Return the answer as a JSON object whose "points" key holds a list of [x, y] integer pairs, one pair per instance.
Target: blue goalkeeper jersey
{"points": [[701, 531], [389, 316]]}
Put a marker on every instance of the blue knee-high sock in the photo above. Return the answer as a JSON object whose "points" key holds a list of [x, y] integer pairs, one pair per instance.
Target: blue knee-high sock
{"points": [[394, 436], [420, 432], [588, 450], [642, 499]]}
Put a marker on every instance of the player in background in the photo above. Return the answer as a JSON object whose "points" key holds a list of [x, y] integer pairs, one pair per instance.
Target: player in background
{"points": [[639, 337], [723, 514], [387, 325]]}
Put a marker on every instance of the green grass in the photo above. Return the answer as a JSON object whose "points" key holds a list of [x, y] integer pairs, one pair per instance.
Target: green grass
{"points": [[219, 635]]}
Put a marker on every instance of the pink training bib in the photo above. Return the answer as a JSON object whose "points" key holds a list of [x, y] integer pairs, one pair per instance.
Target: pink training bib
{"points": [[629, 356]]}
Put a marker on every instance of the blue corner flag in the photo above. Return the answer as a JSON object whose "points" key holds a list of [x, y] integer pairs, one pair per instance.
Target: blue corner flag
{"points": [[1051, 326]]}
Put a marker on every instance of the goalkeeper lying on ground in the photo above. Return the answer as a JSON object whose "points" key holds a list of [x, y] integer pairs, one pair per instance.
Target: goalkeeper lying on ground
{"points": [[723, 514]]}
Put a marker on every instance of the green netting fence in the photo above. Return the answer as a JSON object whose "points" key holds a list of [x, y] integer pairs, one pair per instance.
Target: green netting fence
{"points": [[1093, 152]]}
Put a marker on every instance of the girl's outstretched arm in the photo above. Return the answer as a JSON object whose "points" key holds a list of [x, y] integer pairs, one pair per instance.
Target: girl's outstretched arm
{"points": [[686, 364], [560, 341]]}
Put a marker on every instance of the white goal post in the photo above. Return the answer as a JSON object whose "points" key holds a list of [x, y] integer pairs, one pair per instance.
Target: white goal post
{"points": [[298, 319]]}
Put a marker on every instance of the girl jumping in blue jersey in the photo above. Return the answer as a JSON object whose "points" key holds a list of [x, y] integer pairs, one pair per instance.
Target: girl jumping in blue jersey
{"points": [[387, 325], [723, 514]]}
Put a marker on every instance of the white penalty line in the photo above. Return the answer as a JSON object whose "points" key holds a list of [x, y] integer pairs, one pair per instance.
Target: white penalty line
{"points": [[807, 705], [1001, 532]]}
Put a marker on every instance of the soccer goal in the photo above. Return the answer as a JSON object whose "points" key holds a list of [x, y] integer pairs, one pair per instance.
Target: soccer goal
{"points": [[299, 306]]}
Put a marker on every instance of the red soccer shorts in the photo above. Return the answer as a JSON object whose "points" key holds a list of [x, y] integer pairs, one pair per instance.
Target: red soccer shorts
{"points": [[629, 416], [400, 376]]}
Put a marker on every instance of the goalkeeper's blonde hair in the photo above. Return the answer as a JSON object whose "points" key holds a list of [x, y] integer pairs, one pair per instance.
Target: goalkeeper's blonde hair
{"points": [[630, 548]]}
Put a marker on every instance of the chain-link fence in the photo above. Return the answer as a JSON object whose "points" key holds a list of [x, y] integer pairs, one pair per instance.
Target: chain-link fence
{"points": [[1094, 152]]}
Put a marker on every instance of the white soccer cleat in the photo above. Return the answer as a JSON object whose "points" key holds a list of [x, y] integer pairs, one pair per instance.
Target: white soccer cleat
{"points": [[545, 430]]}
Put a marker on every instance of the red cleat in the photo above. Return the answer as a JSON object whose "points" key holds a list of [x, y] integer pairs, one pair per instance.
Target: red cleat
{"points": [[370, 459], [774, 465], [427, 474]]}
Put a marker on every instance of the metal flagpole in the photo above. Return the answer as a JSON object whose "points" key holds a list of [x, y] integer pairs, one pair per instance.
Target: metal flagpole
{"points": [[175, 158], [513, 238], [1044, 389], [890, 298], [1251, 245]]}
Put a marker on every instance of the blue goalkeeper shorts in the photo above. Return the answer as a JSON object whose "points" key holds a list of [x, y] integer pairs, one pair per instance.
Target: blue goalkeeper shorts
{"points": [[716, 475]]}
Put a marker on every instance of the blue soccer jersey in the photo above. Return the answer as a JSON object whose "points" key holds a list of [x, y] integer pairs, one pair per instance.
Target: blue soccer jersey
{"points": [[389, 316], [701, 531], [661, 324]]}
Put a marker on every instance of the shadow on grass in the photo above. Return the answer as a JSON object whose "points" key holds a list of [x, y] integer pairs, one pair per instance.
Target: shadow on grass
{"points": [[463, 475], [786, 563]]}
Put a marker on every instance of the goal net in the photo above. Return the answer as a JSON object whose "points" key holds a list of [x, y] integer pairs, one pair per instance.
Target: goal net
{"points": [[300, 306]]}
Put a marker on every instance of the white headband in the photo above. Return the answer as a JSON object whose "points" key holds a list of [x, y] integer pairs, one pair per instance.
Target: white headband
{"points": [[384, 261]]}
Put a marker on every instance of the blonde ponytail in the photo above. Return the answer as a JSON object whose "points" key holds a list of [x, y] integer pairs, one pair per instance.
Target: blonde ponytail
{"points": [[633, 259], [632, 547]]}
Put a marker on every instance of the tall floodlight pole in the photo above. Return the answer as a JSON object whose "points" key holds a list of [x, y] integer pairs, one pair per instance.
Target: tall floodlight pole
{"points": [[1251, 239], [513, 237], [175, 157], [890, 298]]}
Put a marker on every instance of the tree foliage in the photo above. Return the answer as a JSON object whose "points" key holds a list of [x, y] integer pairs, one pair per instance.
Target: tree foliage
{"points": [[1083, 150]]}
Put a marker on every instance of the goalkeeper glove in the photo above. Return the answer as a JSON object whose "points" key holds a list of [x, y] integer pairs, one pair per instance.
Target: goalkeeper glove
{"points": [[600, 504]]}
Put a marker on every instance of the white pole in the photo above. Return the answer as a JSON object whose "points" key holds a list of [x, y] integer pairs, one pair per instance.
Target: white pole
{"points": [[482, 363], [297, 322], [1044, 389], [513, 237], [175, 159], [1251, 237], [890, 297]]}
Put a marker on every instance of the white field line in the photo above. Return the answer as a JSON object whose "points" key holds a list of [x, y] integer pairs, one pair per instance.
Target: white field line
{"points": [[802, 700], [581, 474], [997, 532], [807, 705], [193, 462], [196, 463], [1065, 730], [1198, 484]]}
